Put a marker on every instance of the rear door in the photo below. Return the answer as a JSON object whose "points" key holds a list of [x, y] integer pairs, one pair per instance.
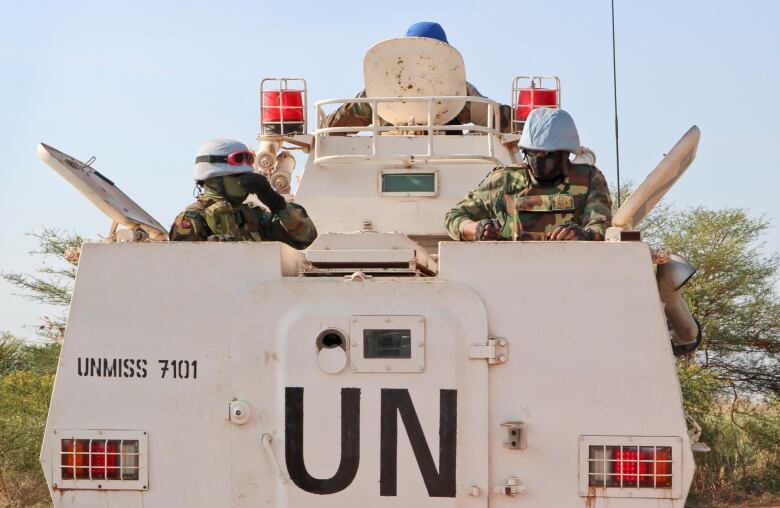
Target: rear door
{"points": [[360, 393]]}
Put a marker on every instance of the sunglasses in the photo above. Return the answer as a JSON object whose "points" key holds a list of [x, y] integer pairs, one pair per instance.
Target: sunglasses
{"points": [[535, 153], [234, 159]]}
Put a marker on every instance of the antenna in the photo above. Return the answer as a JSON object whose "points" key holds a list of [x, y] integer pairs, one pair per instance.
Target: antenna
{"points": [[614, 89]]}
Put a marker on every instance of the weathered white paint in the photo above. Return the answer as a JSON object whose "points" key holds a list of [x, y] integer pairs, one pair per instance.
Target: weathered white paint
{"points": [[588, 354]]}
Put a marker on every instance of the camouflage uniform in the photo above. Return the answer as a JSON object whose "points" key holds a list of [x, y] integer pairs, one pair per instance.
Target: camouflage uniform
{"points": [[526, 210], [211, 214], [354, 114]]}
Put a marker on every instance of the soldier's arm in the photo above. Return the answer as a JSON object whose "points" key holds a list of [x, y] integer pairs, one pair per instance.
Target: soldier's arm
{"points": [[597, 215], [350, 114], [477, 113], [291, 225], [189, 226], [477, 205]]}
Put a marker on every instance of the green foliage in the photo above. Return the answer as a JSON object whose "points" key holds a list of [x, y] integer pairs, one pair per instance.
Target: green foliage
{"points": [[744, 464], [27, 372], [26, 380], [16, 355], [733, 296], [731, 385]]}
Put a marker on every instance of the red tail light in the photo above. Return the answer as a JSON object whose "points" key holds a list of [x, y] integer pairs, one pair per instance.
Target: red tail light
{"points": [[626, 465], [104, 462], [99, 459], [630, 466]]}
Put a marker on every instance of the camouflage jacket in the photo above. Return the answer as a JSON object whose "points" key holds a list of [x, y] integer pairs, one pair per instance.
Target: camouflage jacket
{"points": [[354, 114], [212, 215], [511, 196]]}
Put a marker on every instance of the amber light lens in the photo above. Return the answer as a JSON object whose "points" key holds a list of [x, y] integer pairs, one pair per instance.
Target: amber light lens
{"points": [[75, 459]]}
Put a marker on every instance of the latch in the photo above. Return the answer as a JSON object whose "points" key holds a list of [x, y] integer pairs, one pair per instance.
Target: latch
{"points": [[511, 487], [495, 351]]}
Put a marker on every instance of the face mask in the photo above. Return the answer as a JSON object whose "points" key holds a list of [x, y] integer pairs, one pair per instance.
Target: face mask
{"points": [[546, 168], [229, 188]]}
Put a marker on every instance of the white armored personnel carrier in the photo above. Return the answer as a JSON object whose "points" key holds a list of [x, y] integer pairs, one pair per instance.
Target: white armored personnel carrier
{"points": [[386, 365]]}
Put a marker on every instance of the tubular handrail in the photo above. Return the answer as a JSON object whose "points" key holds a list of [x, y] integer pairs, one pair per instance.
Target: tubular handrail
{"points": [[375, 129]]}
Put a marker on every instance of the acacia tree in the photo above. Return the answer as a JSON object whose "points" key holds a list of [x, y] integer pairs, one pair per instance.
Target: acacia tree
{"points": [[731, 385], [733, 295], [53, 282], [27, 371]]}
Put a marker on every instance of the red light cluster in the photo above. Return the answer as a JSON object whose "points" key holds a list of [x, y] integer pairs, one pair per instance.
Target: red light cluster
{"points": [[85, 459], [652, 463]]}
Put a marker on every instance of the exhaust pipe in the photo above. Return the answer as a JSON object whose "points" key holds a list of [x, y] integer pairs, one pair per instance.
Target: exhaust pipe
{"points": [[671, 277]]}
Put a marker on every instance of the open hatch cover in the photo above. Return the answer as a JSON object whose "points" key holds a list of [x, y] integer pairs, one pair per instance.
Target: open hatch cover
{"points": [[102, 192]]}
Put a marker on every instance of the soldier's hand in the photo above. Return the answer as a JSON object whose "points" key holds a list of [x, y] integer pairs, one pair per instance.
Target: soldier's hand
{"points": [[568, 231], [222, 238], [257, 184], [487, 230]]}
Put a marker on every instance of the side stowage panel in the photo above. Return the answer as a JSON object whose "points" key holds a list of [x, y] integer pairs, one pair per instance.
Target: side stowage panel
{"points": [[589, 362], [145, 369]]}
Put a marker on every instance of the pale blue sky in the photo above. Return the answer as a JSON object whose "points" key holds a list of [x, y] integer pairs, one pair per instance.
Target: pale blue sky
{"points": [[141, 84]]}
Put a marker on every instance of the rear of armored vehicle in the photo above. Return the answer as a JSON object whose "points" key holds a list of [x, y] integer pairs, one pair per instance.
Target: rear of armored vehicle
{"points": [[380, 367]]}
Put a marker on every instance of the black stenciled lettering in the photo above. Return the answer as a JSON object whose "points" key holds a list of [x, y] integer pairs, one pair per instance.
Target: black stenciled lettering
{"points": [[141, 365], [109, 367], [84, 373], [129, 369], [439, 483], [350, 442], [95, 367]]}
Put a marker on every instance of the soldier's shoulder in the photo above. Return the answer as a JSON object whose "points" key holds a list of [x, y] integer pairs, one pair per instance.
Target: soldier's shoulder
{"points": [[586, 169], [193, 210], [494, 178], [586, 173]]}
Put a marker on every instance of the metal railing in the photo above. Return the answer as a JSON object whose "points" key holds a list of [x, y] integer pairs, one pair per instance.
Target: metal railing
{"points": [[376, 129]]}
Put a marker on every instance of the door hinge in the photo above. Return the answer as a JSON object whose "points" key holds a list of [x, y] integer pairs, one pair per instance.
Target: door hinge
{"points": [[495, 351]]}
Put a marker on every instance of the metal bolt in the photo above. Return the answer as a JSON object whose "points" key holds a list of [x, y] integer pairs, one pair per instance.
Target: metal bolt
{"points": [[420, 343], [354, 344], [387, 367], [420, 368], [420, 320], [387, 320], [354, 367], [502, 342], [501, 358], [354, 320]]}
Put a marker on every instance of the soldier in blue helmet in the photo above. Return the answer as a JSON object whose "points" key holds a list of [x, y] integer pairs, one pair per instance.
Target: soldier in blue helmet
{"points": [[223, 172], [359, 114]]}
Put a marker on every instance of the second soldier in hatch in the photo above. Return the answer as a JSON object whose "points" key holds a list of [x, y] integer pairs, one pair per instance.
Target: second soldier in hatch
{"points": [[223, 172], [546, 198]]}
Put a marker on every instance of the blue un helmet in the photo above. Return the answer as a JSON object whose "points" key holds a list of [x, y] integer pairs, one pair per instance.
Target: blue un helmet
{"points": [[427, 29]]}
